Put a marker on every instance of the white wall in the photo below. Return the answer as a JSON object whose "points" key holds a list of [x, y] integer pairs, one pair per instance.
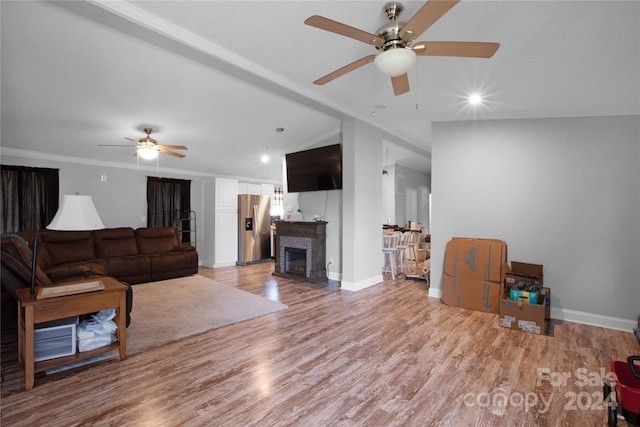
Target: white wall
{"points": [[412, 179], [362, 205], [561, 192], [389, 195]]}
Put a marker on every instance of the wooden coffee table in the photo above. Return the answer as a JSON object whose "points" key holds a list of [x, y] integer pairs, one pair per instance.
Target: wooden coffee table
{"points": [[32, 311]]}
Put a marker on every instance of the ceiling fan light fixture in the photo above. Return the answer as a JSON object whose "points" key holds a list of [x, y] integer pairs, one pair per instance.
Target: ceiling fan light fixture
{"points": [[147, 153], [395, 62]]}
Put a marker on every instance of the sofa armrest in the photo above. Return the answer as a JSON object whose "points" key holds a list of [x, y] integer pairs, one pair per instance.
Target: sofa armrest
{"points": [[186, 247]]}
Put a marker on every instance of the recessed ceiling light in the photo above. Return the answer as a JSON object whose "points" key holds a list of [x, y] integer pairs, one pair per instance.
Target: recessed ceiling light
{"points": [[264, 158], [475, 99]]}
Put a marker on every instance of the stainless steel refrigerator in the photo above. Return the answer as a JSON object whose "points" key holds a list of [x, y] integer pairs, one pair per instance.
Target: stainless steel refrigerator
{"points": [[254, 228]]}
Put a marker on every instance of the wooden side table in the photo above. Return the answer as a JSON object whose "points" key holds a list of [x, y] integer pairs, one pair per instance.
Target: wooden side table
{"points": [[32, 311]]}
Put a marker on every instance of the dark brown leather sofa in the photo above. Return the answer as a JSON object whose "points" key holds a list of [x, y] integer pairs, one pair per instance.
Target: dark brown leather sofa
{"points": [[131, 256]]}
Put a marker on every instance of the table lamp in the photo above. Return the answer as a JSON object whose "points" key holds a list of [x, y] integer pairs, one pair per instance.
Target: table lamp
{"points": [[76, 213]]}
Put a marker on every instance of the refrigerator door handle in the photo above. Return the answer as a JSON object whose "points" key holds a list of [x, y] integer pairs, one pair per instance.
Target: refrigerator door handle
{"points": [[255, 215]]}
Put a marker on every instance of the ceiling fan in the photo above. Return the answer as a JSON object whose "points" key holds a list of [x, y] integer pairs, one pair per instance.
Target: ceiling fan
{"points": [[148, 148], [395, 40]]}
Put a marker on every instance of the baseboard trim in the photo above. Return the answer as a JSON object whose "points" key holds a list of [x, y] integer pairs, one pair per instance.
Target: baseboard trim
{"points": [[358, 286], [591, 319], [617, 323], [334, 276], [224, 264], [434, 292]]}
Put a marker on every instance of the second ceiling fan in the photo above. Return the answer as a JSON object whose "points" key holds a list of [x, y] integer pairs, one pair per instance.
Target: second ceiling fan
{"points": [[148, 148], [395, 40]]}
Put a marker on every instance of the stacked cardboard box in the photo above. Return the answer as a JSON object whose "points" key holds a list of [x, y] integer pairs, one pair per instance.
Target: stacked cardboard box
{"points": [[473, 273], [523, 315]]}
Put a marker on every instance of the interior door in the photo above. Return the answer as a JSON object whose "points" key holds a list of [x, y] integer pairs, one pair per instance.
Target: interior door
{"points": [[412, 204]]}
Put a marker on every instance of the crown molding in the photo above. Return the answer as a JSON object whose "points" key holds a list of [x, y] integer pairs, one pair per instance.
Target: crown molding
{"points": [[557, 114], [27, 154]]}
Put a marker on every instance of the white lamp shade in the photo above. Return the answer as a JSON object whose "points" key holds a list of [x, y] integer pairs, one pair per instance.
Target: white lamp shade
{"points": [[147, 153], [76, 213], [395, 62]]}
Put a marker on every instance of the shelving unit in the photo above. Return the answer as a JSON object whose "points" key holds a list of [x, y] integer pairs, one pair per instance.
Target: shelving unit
{"points": [[187, 228]]}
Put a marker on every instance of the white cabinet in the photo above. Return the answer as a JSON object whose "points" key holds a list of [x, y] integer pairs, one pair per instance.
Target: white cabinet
{"points": [[254, 189], [226, 222], [269, 190], [226, 195]]}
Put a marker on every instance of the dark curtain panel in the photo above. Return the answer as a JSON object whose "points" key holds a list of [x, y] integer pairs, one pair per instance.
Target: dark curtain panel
{"points": [[29, 197], [169, 201]]}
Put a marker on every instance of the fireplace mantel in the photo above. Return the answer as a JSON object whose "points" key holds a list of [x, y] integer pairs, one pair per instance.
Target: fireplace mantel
{"points": [[307, 235]]}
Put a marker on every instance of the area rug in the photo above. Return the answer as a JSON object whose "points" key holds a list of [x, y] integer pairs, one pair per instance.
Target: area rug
{"points": [[168, 310]]}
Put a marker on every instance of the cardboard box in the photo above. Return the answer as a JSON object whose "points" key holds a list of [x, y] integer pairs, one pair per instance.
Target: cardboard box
{"points": [[480, 295], [524, 316], [523, 272], [479, 259]]}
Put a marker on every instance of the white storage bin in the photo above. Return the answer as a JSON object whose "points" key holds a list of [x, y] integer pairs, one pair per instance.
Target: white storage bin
{"points": [[55, 339]]}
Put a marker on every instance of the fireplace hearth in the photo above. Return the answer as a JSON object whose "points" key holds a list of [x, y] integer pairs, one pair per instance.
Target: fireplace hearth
{"points": [[301, 250]]}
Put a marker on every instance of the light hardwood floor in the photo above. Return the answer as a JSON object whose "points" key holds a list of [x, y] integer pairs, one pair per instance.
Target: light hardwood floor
{"points": [[387, 355]]}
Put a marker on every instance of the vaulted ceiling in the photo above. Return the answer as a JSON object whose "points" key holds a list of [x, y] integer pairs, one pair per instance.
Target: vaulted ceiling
{"points": [[221, 76]]}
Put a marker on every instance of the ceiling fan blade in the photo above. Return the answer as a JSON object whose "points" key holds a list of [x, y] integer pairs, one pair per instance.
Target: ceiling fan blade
{"points": [[463, 49], [116, 145], [344, 70], [171, 153], [425, 17], [342, 29], [174, 147], [400, 84], [131, 139]]}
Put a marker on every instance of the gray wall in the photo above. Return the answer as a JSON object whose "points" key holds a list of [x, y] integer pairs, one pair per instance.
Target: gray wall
{"points": [[121, 201], [561, 192], [362, 205]]}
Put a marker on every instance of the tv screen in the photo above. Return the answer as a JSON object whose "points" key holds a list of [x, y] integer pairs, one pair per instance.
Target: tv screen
{"points": [[317, 169]]}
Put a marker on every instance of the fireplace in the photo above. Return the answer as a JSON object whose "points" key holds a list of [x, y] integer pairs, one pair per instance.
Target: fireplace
{"points": [[295, 261], [301, 250]]}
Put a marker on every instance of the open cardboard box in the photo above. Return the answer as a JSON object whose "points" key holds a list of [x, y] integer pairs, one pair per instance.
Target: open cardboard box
{"points": [[522, 315]]}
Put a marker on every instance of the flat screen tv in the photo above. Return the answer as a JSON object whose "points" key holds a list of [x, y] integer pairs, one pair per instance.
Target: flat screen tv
{"points": [[317, 169]]}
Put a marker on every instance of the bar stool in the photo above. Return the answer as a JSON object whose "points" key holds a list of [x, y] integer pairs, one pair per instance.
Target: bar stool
{"points": [[410, 243], [390, 253]]}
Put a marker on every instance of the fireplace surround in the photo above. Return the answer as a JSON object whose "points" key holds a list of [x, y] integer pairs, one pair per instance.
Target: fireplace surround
{"points": [[294, 238]]}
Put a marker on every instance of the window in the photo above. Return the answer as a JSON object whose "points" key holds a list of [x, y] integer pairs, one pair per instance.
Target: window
{"points": [[29, 197], [167, 201]]}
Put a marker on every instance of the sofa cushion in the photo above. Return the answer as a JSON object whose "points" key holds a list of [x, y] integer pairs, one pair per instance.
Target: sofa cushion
{"points": [[115, 242], [157, 240], [77, 270], [131, 269], [170, 265], [63, 247]]}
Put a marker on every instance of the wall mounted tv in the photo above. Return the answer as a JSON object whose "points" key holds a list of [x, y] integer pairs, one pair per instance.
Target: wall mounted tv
{"points": [[317, 169]]}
